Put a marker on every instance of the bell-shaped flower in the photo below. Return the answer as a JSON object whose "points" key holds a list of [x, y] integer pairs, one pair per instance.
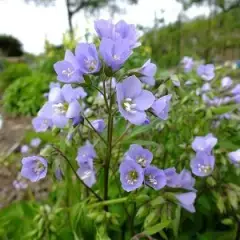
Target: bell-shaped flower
{"points": [[154, 177]]}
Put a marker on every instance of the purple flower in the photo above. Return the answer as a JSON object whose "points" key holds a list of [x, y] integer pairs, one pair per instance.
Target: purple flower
{"points": [[41, 124], [80, 93], [19, 184], [234, 157], [35, 142], [104, 28], [131, 175], [68, 70], [154, 177], [204, 143], [34, 168], [226, 82], [58, 174], [133, 101], [114, 53], [147, 71], [54, 84], [161, 107], [99, 125], [186, 200], [237, 98], [24, 149], [62, 105], [87, 175], [236, 90], [187, 64], [171, 177], [206, 87], [140, 155], [85, 156], [87, 57], [121, 30], [202, 164], [206, 72]]}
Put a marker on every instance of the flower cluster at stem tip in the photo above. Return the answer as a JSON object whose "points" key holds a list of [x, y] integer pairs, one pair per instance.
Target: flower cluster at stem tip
{"points": [[65, 109]]}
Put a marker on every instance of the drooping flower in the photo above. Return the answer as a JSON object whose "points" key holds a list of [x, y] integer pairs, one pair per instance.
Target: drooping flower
{"points": [[87, 58], [88, 175], [133, 100], [202, 164], [186, 200], [154, 177], [147, 71], [120, 30], [41, 124], [68, 70], [140, 155], [34, 168], [226, 82], [58, 174], [114, 53], [161, 106], [24, 149], [234, 158], [204, 143], [187, 64], [62, 106], [206, 72], [77, 120], [85, 155], [35, 142], [98, 125], [171, 177], [131, 175]]}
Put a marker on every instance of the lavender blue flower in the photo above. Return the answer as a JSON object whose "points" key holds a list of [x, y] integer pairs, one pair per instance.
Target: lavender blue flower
{"points": [[204, 143], [171, 177], [161, 106], [35, 142], [58, 174], [34, 168], [234, 157], [68, 70], [131, 175], [147, 71], [206, 87], [236, 90], [133, 101], [54, 84], [114, 53], [186, 200], [140, 155], [121, 30], [80, 93], [18, 185], [25, 149], [206, 72], [62, 105], [154, 177], [41, 124], [87, 58], [226, 82], [85, 155], [77, 120], [187, 64], [202, 164], [87, 175], [99, 125]]}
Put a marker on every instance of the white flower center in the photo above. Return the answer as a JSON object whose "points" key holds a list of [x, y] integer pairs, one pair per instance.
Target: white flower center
{"points": [[151, 179], [60, 108], [204, 168], [91, 64], [68, 72], [132, 177], [116, 57], [38, 168], [142, 161], [129, 106], [86, 175]]}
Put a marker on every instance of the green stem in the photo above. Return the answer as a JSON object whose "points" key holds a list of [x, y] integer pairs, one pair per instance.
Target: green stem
{"points": [[71, 166], [108, 202]]}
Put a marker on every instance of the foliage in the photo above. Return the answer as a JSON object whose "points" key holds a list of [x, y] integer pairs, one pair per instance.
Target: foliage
{"points": [[215, 39], [11, 72], [10, 46], [25, 95]]}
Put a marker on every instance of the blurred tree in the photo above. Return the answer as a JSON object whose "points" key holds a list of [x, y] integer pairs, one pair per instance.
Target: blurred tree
{"points": [[10, 46], [222, 5], [75, 6]]}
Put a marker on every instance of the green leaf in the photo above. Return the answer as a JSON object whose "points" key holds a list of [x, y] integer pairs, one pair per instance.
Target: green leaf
{"points": [[157, 228], [152, 218], [225, 109], [176, 221]]}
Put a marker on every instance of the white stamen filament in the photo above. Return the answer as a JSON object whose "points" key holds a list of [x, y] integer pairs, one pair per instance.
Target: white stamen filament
{"points": [[38, 168], [59, 108], [86, 175], [129, 106], [204, 168], [116, 57], [68, 72]]}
